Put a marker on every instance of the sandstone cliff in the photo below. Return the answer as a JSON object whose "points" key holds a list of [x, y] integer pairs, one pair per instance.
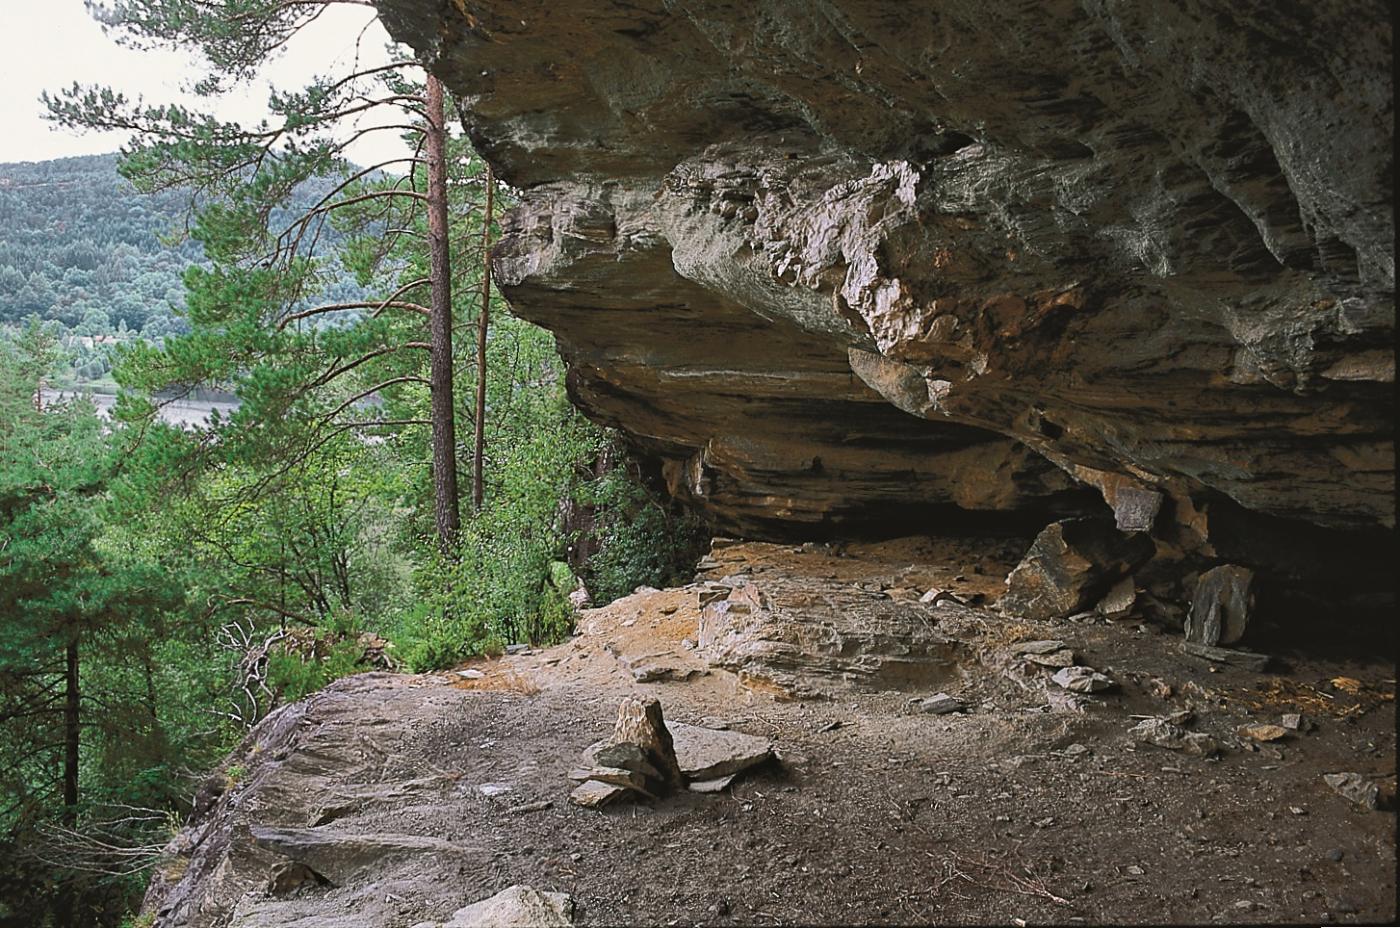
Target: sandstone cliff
{"points": [[858, 265]]}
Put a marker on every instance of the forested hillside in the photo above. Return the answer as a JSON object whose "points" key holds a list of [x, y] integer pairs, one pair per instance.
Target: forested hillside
{"points": [[102, 262], [83, 248]]}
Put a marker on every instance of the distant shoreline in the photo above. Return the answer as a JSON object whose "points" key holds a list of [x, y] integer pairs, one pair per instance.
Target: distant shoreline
{"points": [[185, 412]]}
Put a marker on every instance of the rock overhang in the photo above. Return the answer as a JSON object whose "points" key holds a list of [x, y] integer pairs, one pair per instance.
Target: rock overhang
{"points": [[833, 262]]}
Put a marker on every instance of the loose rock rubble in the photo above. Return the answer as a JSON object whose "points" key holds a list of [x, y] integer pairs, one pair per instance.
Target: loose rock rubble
{"points": [[1165, 734], [1351, 785]]}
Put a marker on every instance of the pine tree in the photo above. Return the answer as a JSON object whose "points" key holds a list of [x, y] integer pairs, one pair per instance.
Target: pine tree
{"points": [[259, 303]]}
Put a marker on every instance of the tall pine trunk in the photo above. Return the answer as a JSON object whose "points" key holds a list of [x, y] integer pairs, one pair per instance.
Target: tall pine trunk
{"points": [[71, 697], [483, 320], [445, 510]]}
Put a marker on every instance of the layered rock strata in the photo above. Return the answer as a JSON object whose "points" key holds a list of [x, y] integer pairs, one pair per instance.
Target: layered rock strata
{"points": [[845, 262]]}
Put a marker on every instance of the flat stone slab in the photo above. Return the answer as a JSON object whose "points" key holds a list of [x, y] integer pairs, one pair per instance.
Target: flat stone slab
{"points": [[711, 786], [1048, 646], [941, 704], [613, 776], [592, 794], [1061, 658], [1246, 659], [1365, 793], [1262, 732], [706, 754]]}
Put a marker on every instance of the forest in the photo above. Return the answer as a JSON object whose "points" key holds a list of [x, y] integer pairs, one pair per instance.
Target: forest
{"points": [[163, 589]]}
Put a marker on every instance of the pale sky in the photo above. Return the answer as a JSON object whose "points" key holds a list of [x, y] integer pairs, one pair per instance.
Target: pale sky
{"points": [[49, 44]]}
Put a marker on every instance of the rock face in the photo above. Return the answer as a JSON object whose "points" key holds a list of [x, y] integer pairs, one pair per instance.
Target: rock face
{"points": [[864, 262]]}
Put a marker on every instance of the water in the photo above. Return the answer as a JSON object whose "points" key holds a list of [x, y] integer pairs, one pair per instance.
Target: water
{"points": [[185, 413]]}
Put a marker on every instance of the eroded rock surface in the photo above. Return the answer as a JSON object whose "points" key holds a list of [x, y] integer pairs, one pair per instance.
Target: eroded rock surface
{"points": [[865, 262], [818, 637]]}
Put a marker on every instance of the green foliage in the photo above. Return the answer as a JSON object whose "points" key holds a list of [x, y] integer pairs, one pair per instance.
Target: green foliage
{"points": [[510, 580], [82, 249], [76, 597], [641, 538], [207, 576]]}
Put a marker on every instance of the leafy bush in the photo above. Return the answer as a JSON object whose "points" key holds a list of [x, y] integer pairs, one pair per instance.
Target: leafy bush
{"points": [[641, 540]]}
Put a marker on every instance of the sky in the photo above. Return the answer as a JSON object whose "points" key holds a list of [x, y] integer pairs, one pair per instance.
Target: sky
{"points": [[49, 44]]}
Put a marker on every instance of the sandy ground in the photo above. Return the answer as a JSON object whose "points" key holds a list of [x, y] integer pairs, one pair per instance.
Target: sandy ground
{"points": [[878, 813]]}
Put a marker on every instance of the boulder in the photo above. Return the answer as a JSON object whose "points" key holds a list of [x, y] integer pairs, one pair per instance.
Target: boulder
{"points": [[1165, 734], [1221, 605], [1082, 680], [1119, 600], [1069, 566], [516, 907]]}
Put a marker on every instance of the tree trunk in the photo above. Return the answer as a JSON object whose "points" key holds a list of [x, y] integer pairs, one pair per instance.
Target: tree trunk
{"points": [[446, 512], [484, 319], [70, 734]]}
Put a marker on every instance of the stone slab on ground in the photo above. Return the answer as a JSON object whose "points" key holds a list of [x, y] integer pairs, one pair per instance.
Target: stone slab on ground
{"points": [[707, 754], [592, 794], [1246, 659], [1353, 786], [941, 704], [1044, 646], [711, 786], [612, 776], [1082, 680]]}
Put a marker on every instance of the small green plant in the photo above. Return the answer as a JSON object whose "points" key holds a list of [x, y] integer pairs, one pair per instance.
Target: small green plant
{"points": [[235, 774], [641, 539]]}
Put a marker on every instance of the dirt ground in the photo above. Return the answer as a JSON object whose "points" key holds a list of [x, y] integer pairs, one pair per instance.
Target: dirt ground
{"points": [[876, 813]]}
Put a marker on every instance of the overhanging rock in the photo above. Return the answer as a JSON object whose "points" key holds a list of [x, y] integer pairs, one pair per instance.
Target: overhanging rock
{"points": [[838, 263]]}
